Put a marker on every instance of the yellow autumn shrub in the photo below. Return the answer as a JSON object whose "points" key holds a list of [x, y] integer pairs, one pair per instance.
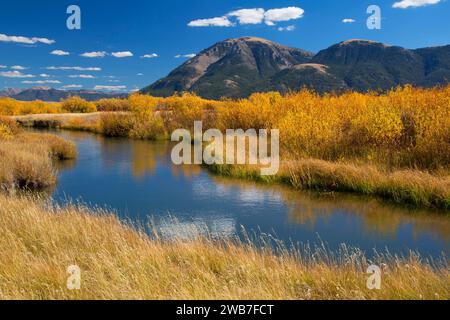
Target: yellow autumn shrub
{"points": [[76, 104], [406, 127], [11, 107]]}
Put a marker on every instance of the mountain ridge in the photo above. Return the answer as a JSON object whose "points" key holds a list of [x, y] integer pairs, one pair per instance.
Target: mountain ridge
{"points": [[49, 94], [235, 68]]}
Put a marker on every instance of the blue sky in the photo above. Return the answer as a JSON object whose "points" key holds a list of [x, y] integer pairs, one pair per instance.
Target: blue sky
{"points": [[176, 27]]}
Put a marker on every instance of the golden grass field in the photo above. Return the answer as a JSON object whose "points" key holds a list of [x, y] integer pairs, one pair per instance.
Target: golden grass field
{"points": [[40, 241]]}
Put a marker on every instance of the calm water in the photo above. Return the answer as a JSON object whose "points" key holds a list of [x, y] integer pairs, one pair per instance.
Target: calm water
{"points": [[137, 180]]}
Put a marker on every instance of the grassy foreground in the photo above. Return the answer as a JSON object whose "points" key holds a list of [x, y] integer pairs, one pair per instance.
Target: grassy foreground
{"points": [[40, 241]]}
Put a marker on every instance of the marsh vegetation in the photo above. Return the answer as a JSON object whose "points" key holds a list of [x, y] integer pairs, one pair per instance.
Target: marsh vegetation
{"points": [[394, 145]]}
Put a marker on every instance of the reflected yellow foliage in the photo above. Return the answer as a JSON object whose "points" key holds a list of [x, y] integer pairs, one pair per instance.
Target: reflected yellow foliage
{"points": [[186, 171], [146, 157], [376, 216]]}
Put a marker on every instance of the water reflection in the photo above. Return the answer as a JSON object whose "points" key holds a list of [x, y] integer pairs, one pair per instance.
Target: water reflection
{"points": [[377, 216], [138, 180], [217, 228]]}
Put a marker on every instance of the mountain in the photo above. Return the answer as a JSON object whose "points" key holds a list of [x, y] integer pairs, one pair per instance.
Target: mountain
{"points": [[9, 92], [238, 67], [367, 65], [55, 95], [310, 75], [234, 67], [437, 65]]}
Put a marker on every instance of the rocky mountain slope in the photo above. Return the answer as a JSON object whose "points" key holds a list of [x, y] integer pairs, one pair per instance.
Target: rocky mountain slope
{"points": [[234, 67], [238, 67]]}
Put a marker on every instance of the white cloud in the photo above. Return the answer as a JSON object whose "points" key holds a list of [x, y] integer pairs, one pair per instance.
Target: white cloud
{"points": [[110, 88], [288, 28], [283, 14], [44, 75], [3, 67], [73, 86], [213, 22], [94, 54], [404, 4], [41, 82], [74, 68], [122, 54], [60, 53], [18, 68], [82, 76], [189, 56], [15, 74], [150, 56], [248, 16], [140, 74], [348, 20], [251, 16], [25, 40]]}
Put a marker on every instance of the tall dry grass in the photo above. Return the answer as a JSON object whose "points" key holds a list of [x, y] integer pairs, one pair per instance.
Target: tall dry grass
{"points": [[39, 242], [401, 186], [26, 159]]}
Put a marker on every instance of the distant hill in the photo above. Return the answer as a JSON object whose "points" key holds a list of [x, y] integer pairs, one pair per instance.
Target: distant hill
{"points": [[9, 92], [55, 95], [238, 67]]}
